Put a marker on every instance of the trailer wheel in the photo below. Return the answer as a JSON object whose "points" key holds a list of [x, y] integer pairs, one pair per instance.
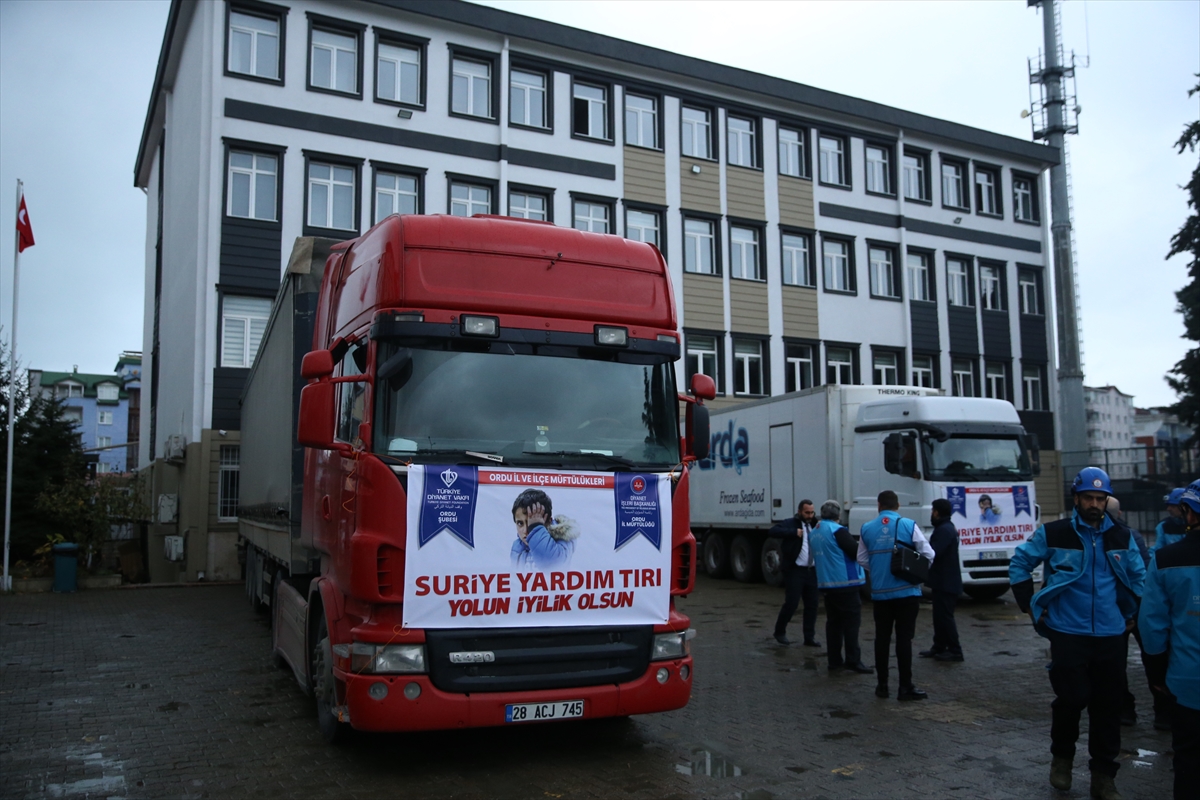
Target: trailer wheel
{"points": [[772, 562], [987, 591], [324, 685], [716, 555], [745, 559]]}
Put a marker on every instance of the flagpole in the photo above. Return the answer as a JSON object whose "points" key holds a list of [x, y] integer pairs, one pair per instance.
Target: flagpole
{"points": [[12, 393]]}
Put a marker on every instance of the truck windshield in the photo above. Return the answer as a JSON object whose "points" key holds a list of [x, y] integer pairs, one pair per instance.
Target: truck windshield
{"points": [[528, 409], [976, 458]]}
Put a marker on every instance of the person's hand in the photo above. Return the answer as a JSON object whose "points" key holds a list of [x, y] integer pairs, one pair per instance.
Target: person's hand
{"points": [[1129, 624], [536, 515]]}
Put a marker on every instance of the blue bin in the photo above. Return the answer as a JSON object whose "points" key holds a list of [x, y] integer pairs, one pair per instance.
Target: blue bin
{"points": [[66, 561]]}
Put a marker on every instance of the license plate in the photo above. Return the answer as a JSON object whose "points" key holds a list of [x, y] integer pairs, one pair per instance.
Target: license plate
{"points": [[988, 555], [537, 712]]}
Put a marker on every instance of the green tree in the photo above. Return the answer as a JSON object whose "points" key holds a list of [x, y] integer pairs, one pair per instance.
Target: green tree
{"points": [[89, 508], [1184, 377]]}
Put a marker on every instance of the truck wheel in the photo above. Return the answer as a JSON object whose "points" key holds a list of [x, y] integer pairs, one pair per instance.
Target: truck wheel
{"points": [[744, 558], [716, 555], [772, 562], [987, 591], [324, 686]]}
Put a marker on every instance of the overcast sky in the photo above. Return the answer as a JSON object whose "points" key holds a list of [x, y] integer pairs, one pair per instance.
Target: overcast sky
{"points": [[75, 79]]}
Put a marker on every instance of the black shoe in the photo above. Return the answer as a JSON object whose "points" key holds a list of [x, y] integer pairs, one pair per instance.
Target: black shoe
{"points": [[782, 639], [861, 669], [811, 643], [948, 656], [882, 691], [930, 653], [911, 693]]}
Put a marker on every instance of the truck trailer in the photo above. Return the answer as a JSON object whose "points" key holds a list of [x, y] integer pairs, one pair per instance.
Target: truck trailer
{"points": [[849, 443], [464, 492]]}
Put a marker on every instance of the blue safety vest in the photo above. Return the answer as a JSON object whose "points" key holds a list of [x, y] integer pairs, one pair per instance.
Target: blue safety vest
{"points": [[835, 570], [880, 537]]}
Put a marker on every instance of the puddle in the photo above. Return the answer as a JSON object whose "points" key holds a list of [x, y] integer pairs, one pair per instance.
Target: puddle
{"points": [[886, 754], [710, 764], [810, 663], [174, 705], [839, 713], [1146, 753], [797, 770], [1005, 653], [756, 794], [105, 785], [839, 735]]}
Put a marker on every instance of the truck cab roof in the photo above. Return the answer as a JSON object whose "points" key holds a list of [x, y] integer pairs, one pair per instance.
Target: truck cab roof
{"points": [[903, 411]]}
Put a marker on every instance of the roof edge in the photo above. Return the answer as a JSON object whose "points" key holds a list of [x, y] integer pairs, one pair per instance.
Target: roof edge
{"points": [[177, 20]]}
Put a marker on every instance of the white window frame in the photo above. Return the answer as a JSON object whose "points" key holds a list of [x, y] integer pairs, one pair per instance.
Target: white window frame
{"points": [[953, 184], [963, 376], [335, 181], [257, 37], [532, 96], [748, 368], [337, 54], [471, 199], [885, 368], [641, 122], [701, 359], [740, 141], [696, 133], [914, 177], [519, 206], [471, 87], [791, 152], [923, 370], [399, 55], [800, 366], [995, 380], [836, 265], [108, 391], [990, 288], [104, 418], [832, 166], [958, 282], [643, 226], [988, 195], [698, 243], [797, 260], [1027, 288], [883, 272], [393, 196], [587, 215], [1031, 384], [262, 165], [918, 277], [836, 370], [879, 170], [1023, 194], [103, 441], [596, 111], [228, 482], [744, 262], [249, 316]]}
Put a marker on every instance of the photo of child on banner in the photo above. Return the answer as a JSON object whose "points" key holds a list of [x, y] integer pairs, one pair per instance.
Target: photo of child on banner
{"points": [[1005, 513], [544, 541]]}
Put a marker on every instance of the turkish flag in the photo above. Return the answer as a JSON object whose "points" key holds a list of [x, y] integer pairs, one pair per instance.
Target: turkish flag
{"points": [[24, 229]]}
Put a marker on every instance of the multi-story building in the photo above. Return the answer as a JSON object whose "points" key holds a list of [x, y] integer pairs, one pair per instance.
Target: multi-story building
{"points": [[812, 237], [1110, 430], [99, 407]]}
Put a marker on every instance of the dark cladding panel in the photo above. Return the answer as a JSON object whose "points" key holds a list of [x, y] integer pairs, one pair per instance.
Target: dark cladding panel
{"points": [[1033, 339], [997, 343], [964, 338], [925, 334], [251, 255], [228, 383]]}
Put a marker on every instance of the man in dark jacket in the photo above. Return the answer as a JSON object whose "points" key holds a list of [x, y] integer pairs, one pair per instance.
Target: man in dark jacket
{"points": [[799, 574], [945, 579]]}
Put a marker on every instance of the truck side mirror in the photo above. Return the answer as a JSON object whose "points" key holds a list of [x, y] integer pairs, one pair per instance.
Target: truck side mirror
{"points": [[698, 429], [317, 364], [314, 428], [1035, 453], [703, 387]]}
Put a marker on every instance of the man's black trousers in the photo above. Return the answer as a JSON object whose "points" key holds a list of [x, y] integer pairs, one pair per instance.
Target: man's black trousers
{"points": [[945, 632], [1185, 741], [843, 614], [799, 583], [1087, 672], [901, 614]]}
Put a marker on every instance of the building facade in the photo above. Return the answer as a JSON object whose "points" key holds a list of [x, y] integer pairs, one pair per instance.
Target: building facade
{"points": [[812, 237], [99, 407], [1110, 430]]}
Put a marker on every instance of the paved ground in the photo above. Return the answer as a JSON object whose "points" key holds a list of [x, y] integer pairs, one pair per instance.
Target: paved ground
{"points": [[171, 693]]}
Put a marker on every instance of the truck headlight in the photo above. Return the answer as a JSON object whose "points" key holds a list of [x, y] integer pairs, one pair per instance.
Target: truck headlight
{"points": [[669, 645], [384, 659]]}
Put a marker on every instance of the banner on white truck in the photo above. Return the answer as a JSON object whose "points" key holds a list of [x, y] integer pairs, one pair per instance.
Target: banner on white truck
{"points": [[507, 548], [991, 514]]}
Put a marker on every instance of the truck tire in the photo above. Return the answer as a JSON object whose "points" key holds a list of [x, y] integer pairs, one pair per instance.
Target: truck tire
{"points": [[986, 592], [324, 689], [772, 562], [745, 558], [716, 555]]}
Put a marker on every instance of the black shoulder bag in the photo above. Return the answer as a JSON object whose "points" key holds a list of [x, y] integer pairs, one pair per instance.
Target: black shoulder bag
{"points": [[907, 563]]}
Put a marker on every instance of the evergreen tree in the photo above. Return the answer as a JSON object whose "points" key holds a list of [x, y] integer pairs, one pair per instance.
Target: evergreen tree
{"points": [[1184, 378]]}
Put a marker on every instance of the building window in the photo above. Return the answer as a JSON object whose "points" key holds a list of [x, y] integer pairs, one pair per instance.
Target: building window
{"points": [[696, 130], [1030, 289], [104, 468], [792, 160], [591, 111], [958, 282], [398, 73], [104, 418], [743, 254], [641, 121], [74, 415], [954, 193], [918, 277], [879, 170], [253, 191], [229, 483], [331, 196], [839, 366], [797, 260], [885, 368], [883, 272], [699, 247], [471, 88], [1025, 199], [741, 142], [254, 45], [467, 200], [243, 321], [991, 288], [103, 442], [528, 205], [396, 194], [642, 226], [839, 276], [916, 176], [964, 377], [527, 98], [107, 391], [995, 377], [799, 359], [987, 192], [831, 153], [65, 390], [592, 217], [922, 371], [333, 61], [703, 357], [1032, 379], [748, 378]]}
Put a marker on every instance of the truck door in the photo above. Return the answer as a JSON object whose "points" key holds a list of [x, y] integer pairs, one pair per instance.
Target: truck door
{"points": [[783, 504]]}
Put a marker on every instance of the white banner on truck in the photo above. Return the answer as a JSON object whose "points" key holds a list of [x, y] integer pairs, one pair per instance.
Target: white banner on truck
{"points": [[991, 514], [507, 548]]}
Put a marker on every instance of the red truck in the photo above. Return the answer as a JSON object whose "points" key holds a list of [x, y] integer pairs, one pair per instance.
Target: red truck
{"points": [[464, 488]]}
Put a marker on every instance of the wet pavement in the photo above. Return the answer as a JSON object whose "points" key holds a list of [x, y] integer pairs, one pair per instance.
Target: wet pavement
{"points": [[172, 693]]}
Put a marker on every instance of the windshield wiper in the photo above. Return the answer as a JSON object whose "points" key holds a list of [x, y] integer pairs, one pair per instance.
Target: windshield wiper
{"points": [[625, 462], [494, 458]]}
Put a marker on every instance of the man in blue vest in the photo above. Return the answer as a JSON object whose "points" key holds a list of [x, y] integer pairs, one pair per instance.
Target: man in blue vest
{"points": [[1173, 528], [839, 578], [895, 599], [1093, 581], [1170, 624]]}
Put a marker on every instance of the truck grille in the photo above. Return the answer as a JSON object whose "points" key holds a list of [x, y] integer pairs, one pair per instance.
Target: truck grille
{"points": [[538, 658]]}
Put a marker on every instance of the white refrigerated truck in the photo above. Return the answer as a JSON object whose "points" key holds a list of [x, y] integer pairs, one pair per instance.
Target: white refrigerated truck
{"points": [[849, 443]]}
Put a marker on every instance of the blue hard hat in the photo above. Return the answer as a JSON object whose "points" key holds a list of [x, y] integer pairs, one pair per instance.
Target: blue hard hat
{"points": [[1173, 498], [1092, 479], [1191, 496]]}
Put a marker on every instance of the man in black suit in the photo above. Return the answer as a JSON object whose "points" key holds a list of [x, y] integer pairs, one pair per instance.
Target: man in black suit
{"points": [[945, 579], [799, 574]]}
